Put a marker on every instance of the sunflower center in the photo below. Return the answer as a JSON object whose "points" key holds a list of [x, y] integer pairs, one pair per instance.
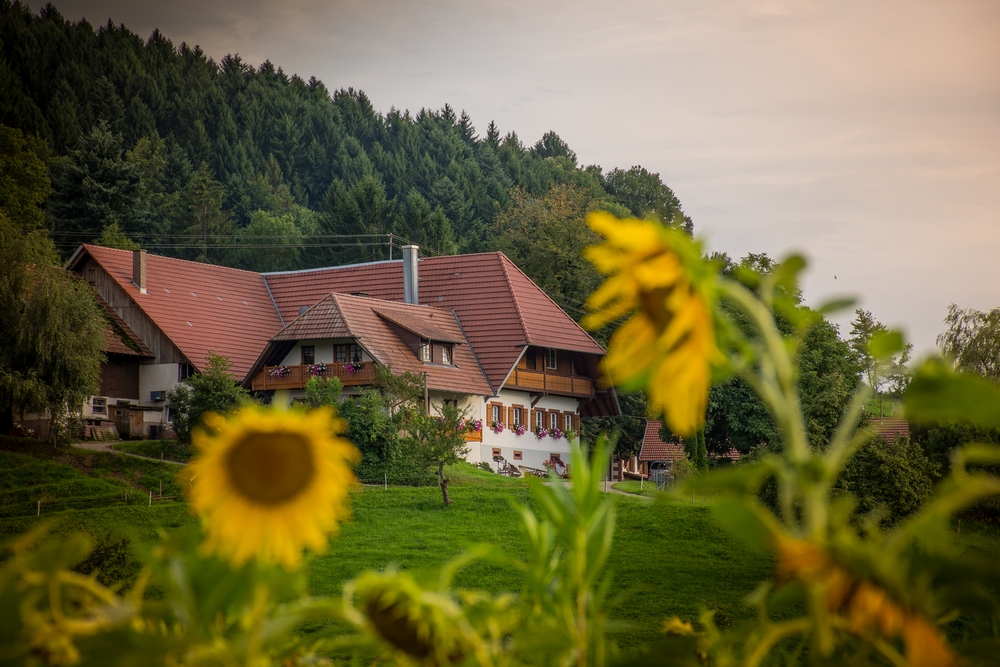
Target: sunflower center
{"points": [[271, 468]]}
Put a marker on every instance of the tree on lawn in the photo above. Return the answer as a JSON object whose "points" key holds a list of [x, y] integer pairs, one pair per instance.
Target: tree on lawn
{"points": [[434, 441], [972, 340], [883, 377], [51, 329]]}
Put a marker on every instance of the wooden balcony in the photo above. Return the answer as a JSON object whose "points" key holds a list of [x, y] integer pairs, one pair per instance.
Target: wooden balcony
{"points": [[298, 376], [550, 383], [473, 436]]}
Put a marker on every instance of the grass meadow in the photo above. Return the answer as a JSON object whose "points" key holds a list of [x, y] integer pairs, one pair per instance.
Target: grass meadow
{"points": [[669, 557]]}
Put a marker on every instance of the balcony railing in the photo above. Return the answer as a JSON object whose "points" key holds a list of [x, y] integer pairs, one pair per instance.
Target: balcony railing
{"points": [[550, 383], [473, 436], [297, 376]]}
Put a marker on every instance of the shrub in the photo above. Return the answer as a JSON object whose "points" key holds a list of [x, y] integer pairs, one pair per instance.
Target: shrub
{"points": [[895, 477]]}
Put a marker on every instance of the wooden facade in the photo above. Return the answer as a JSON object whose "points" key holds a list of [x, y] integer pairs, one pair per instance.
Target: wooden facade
{"points": [[150, 334], [120, 377]]}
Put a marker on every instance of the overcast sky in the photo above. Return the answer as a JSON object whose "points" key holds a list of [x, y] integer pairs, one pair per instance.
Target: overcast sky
{"points": [[863, 133]]}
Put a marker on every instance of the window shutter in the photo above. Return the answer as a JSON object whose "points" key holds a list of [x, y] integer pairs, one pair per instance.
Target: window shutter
{"points": [[531, 419], [510, 416]]}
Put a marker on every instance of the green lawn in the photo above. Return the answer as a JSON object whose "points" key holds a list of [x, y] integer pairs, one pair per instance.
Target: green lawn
{"points": [[169, 450], [669, 557]]}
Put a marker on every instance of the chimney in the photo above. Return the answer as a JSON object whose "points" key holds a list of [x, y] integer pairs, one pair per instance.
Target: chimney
{"points": [[139, 270], [410, 274]]}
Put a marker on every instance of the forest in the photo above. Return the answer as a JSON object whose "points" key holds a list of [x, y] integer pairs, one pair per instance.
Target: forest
{"points": [[250, 167]]}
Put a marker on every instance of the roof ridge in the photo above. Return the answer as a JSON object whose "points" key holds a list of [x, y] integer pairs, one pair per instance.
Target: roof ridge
{"points": [[510, 287], [546, 295], [172, 259], [335, 296]]}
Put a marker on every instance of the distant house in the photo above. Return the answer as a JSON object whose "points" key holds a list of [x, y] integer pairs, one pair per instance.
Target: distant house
{"points": [[484, 334], [656, 450], [890, 429]]}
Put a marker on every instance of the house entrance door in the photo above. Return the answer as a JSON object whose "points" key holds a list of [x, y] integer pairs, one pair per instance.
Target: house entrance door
{"points": [[123, 416]]}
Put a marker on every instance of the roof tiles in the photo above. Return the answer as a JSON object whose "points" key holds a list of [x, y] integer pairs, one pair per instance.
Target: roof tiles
{"points": [[501, 310], [655, 448], [202, 308]]}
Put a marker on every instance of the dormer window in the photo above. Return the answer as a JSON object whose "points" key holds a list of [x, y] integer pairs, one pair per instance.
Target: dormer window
{"points": [[446, 354], [551, 362], [425, 352]]}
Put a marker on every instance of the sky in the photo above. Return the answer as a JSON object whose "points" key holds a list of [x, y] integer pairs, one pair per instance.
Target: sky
{"points": [[864, 134]]}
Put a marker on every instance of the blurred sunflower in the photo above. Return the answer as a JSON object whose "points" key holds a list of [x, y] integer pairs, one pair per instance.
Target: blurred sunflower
{"points": [[268, 483], [657, 275], [423, 627], [867, 608]]}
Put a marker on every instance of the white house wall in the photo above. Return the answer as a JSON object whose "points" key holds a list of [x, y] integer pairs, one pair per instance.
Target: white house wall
{"points": [[156, 377], [534, 451], [323, 349]]}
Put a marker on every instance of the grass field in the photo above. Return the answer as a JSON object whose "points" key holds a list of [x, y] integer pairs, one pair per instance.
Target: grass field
{"points": [[669, 558], [170, 450]]}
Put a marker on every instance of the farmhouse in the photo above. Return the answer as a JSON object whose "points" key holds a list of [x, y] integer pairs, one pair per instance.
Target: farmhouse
{"points": [[474, 326]]}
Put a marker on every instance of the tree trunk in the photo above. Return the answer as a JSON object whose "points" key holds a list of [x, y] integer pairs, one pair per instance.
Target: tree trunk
{"points": [[443, 483]]}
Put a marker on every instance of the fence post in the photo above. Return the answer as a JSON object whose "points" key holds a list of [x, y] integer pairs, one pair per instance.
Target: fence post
{"points": [[150, 498], [386, 481], [161, 488], [39, 508], [161, 457]]}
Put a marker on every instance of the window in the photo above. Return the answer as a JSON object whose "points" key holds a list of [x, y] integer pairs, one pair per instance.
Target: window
{"points": [[451, 402], [517, 455], [567, 422], [355, 351], [100, 406], [518, 416], [550, 359], [308, 355], [184, 371], [496, 454], [446, 354], [529, 359], [555, 457], [539, 420], [340, 353], [553, 420], [496, 413], [425, 352]]}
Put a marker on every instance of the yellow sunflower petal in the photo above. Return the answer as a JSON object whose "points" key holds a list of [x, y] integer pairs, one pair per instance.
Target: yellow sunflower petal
{"points": [[269, 483]]}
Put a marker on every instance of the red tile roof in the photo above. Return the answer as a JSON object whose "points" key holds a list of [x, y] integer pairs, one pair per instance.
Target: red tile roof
{"points": [[501, 310], [366, 318], [890, 429], [202, 308], [655, 449]]}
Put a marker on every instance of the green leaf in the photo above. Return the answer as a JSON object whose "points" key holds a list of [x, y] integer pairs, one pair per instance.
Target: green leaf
{"points": [[836, 304], [787, 273], [886, 343], [938, 394], [747, 520]]}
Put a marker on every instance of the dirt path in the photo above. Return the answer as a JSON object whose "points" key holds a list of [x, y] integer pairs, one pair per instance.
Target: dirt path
{"points": [[97, 446]]}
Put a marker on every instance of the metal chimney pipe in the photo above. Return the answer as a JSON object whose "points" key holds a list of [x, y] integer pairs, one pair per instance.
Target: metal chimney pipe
{"points": [[139, 270], [410, 274]]}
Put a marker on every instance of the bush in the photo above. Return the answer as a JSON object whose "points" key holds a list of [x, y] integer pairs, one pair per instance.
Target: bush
{"points": [[895, 477], [213, 390]]}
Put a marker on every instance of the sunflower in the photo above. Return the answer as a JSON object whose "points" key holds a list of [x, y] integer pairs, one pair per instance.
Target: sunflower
{"points": [[867, 608], [656, 275], [424, 627], [267, 482]]}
